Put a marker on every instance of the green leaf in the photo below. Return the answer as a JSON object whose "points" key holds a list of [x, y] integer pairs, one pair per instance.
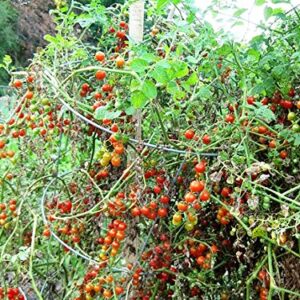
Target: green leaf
{"points": [[160, 75], [138, 99], [179, 49], [204, 93], [134, 85], [149, 57], [224, 50], [279, 12], [103, 113], [260, 2], [162, 3], [149, 89], [265, 113], [181, 70], [238, 159], [223, 155], [138, 65], [258, 89], [285, 133], [186, 86], [279, 70], [237, 23], [191, 59], [268, 12], [267, 86], [163, 63], [254, 53], [7, 60], [130, 110], [193, 79], [239, 12], [49, 38], [280, 1], [172, 87], [297, 139]]}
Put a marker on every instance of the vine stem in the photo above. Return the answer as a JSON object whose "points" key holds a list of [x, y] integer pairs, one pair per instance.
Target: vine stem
{"points": [[273, 285], [19, 212], [270, 266], [291, 190], [34, 286], [253, 276], [93, 181], [281, 246], [162, 126], [147, 144], [113, 188], [282, 196], [94, 68]]}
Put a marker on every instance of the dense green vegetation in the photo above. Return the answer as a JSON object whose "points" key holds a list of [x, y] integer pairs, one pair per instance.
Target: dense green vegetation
{"points": [[8, 36]]}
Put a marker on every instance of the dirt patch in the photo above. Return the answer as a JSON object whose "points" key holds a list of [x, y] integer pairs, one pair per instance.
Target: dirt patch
{"points": [[34, 22]]}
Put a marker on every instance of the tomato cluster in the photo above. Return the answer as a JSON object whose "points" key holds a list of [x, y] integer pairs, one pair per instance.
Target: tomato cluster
{"points": [[11, 293]]}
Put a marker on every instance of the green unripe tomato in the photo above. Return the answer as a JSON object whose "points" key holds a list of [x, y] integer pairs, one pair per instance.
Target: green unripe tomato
{"points": [[45, 101], [251, 220], [296, 127], [153, 162], [291, 116], [47, 108], [7, 225], [266, 206], [33, 107], [201, 276], [245, 219], [189, 226], [98, 154], [125, 139], [14, 160]]}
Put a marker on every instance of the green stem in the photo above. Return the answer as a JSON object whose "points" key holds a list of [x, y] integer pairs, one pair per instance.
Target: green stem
{"points": [[291, 190], [280, 195], [270, 266], [34, 286], [96, 68], [253, 276]]}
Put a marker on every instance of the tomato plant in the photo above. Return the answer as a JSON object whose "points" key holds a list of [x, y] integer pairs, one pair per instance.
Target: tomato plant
{"points": [[165, 169]]}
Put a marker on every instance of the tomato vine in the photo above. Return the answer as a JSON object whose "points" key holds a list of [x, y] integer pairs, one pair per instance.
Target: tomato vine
{"points": [[203, 203]]}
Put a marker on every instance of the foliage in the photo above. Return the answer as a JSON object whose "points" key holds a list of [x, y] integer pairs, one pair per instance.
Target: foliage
{"points": [[8, 35], [204, 205]]}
